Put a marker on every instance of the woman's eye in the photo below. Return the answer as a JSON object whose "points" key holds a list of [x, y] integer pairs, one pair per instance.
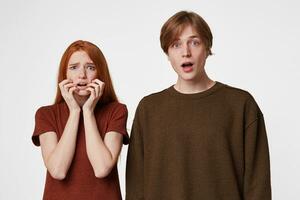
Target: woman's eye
{"points": [[91, 67], [72, 67]]}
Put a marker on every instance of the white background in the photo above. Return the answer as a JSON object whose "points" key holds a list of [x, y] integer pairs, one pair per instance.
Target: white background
{"points": [[255, 44]]}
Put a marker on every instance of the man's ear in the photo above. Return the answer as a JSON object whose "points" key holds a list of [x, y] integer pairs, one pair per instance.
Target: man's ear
{"points": [[208, 53], [168, 56]]}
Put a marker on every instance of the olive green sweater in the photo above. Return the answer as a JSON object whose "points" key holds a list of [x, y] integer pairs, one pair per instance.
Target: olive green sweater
{"points": [[205, 146]]}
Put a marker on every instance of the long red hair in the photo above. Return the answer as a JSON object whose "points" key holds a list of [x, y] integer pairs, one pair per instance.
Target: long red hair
{"points": [[99, 60]]}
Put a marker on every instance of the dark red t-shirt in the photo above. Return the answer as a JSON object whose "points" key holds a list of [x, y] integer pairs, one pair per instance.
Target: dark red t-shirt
{"points": [[80, 182]]}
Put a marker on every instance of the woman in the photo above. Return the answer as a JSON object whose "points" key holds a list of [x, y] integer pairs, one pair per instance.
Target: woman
{"points": [[81, 134]]}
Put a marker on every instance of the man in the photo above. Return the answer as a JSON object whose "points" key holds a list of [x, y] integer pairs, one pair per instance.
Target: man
{"points": [[198, 139]]}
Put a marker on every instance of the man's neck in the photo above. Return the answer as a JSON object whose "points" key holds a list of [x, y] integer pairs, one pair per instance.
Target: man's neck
{"points": [[194, 86]]}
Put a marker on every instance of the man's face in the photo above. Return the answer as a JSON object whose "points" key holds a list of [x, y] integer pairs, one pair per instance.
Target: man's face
{"points": [[187, 55]]}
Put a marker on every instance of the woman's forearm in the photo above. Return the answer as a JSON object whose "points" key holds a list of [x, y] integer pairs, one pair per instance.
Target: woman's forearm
{"points": [[102, 160], [61, 157]]}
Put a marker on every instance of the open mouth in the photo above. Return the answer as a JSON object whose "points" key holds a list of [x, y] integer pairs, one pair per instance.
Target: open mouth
{"points": [[187, 64], [82, 84]]}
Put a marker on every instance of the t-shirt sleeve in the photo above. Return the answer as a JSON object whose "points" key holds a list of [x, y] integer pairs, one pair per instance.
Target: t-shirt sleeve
{"points": [[44, 122], [118, 121]]}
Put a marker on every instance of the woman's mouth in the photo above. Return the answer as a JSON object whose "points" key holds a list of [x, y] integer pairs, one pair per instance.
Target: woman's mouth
{"points": [[81, 86]]}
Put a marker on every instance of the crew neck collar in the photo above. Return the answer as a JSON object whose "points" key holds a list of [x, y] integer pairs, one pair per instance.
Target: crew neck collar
{"points": [[172, 91]]}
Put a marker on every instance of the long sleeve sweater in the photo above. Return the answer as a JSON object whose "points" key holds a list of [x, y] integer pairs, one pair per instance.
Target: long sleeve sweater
{"points": [[210, 145]]}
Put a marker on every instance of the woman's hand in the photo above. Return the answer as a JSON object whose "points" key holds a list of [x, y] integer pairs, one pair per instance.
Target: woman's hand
{"points": [[67, 87], [96, 88]]}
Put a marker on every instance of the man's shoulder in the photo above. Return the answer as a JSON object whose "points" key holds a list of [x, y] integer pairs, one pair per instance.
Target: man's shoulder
{"points": [[232, 92], [155, 98], [238, 99]]}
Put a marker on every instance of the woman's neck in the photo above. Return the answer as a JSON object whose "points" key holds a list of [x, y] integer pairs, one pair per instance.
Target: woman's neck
{"points": [[80, 99]]}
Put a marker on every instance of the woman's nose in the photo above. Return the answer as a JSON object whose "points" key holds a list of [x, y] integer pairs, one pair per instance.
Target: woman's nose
{"points": [[82, 73]]}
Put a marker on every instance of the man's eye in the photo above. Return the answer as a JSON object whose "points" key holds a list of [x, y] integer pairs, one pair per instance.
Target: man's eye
{"points": [[176, 45], [195, 42]]}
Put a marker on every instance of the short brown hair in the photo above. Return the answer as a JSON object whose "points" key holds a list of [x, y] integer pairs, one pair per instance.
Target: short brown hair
{"points": [[176, 24], [99, 60]]}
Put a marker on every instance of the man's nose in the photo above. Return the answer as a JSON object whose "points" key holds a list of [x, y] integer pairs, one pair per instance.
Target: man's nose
{"points": [[186, 51]]}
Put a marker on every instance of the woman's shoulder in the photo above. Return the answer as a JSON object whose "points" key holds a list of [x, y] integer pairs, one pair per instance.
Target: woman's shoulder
{"points": [[114, 105], [50, 107], [112, 108]]}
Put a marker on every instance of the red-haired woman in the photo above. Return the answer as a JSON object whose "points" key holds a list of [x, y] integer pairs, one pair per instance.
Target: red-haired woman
{"points": [[81, 134]]}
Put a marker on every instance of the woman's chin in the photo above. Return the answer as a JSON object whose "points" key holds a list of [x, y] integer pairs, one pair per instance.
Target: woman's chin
{"points": [[83, 93]]}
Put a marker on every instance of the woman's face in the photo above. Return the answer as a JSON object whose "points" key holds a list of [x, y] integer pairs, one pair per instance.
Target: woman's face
{"points": [[81, 70]]}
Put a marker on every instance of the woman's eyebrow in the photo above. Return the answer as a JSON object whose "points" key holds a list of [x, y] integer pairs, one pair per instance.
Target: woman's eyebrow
{"points": [[73, 64], [89, 63]]}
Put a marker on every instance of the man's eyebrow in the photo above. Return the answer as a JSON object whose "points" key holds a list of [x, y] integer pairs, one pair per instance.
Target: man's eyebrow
{"points": [[194, 36], [190, 37]]}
